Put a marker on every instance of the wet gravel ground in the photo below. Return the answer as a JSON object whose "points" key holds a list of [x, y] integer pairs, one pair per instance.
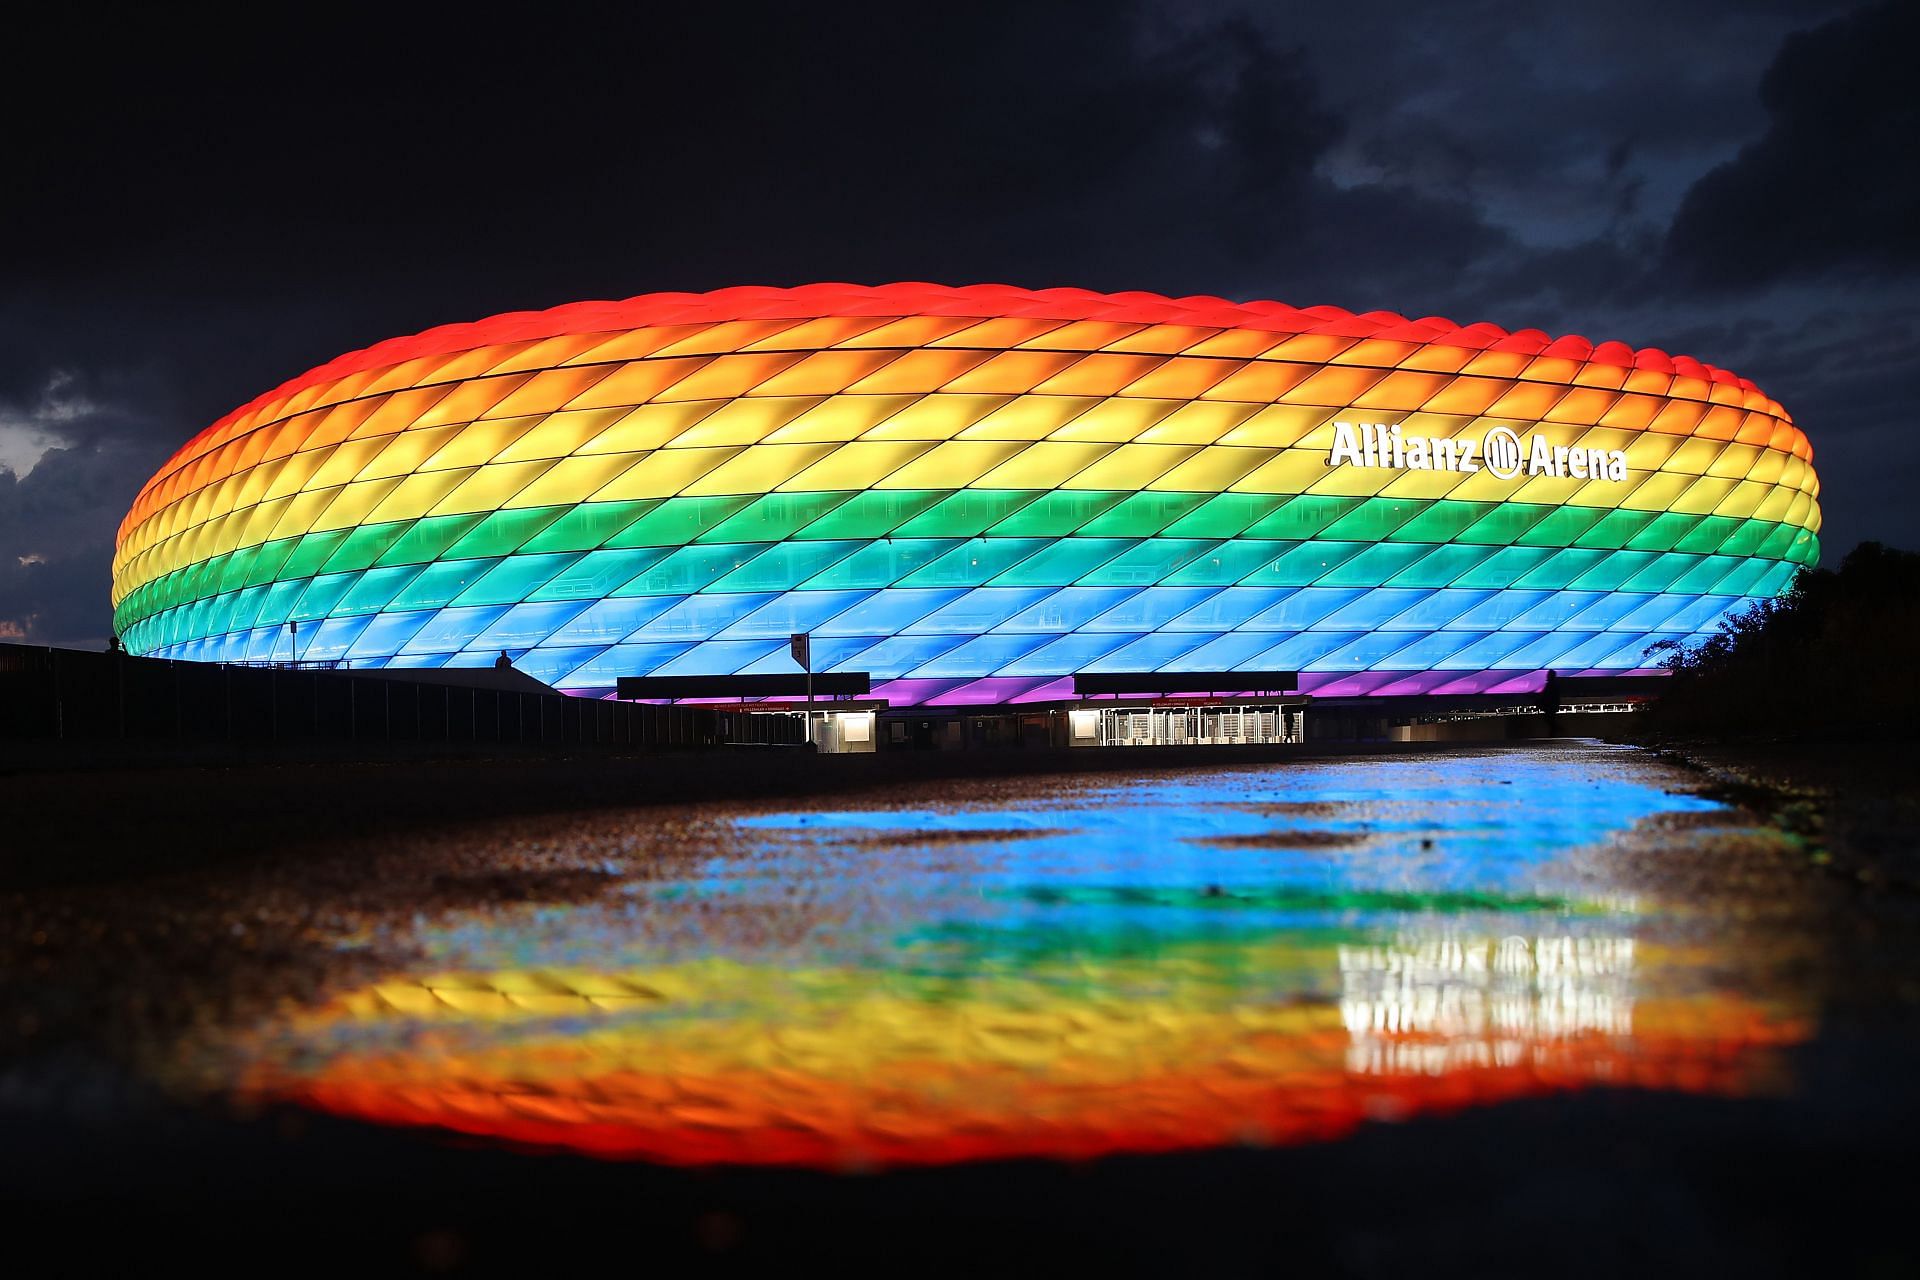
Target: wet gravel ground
{"points": [[146, 909]]}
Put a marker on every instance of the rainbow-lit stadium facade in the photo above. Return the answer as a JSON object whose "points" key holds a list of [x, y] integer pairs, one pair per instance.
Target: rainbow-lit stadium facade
{"points": [[972, 494]]}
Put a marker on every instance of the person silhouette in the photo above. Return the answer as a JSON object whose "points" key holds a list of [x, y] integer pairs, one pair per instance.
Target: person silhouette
{"points": [[502, 662]]}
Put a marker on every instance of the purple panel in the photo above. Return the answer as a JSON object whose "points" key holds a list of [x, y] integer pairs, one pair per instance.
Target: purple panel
{"points": [[988, 692], [1052, 691], [913, 693], [1415, 683]]}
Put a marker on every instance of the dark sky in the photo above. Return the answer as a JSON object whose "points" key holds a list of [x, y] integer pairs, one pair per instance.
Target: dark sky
{"points": [[196, 214]]}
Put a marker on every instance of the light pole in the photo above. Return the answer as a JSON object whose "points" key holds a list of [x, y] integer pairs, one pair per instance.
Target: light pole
{"points": [[800, 645]]}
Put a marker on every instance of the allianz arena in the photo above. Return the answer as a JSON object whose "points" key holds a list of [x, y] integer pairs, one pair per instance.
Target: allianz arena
{"points": [[974, 494]]}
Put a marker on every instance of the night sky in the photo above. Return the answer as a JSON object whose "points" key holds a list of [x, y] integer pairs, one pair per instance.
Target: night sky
{"points": [[195, 215]]}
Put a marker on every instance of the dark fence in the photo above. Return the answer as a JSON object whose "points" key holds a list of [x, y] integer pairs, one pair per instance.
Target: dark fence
{"points": [[75, 695]]}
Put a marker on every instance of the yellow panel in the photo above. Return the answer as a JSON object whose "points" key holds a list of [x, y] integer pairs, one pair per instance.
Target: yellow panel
{"points": [[331, 426], [1795, 473], [952, 465], [665, 473], [1347, 481], [1769, 466], [1132, 466], [1180, 378], [936, 417], [1756, 428], [1012, 372], [1777, 502], [1484, 486], [1045, 464], [260, 522], [489, 487], [401, 410], [350, 506], [1557, 433], [918, 371], [840, 418], [1657, 492], [1606, 438], [417, 494], [257, 481], [1743, 501], [1552, 490], [1033, 417], [1693, 456], [1197, 422], [859, 465], [479, 443], [1278, 426], [1291, 471], [571, 480], [649, 427], [1423, 484], [745, 421], [1116, 421], [1649, 452], [637, 383], [1526, 402], [559, 435], [824, 373], [405, 452], [759, 468], [1099, 374], [293, 475], [1735, 461], [1678, 417], [547, 390], [1801, 512], [300, 512], [1602, 493], [1213, 469]]}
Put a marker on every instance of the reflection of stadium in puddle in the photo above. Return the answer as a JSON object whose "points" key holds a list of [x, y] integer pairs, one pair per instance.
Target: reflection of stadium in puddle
{"points": [[1063, 1000]]}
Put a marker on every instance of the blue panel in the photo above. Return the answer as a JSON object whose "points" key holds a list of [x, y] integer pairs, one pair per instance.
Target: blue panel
{"points": [[1546, 651], [1229, 608], [453, 629], [1066, 609], [611, 621], [897, 655], [1151, 653], [1702, 614], [978, 611], [321, 595], [1151, 609], [1364, 653], [1605, 611], [552, 664], [1438, 609], [1555, 611], [793, 611], [1306, 606], [721, 657], [529, 624], [1634, 653], [888, 612], [328, 640], [261, 642], [828, 654], [701, 616], [604, 670], [975, 561], [980, 656], [1300, 652], [1374, 610], [1499, 609], [1224, 653], [1499, 649], [1433, 649], [1066, 655]]}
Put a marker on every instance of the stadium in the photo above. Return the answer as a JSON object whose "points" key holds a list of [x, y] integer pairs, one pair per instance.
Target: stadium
{"points": [[976, 497]]}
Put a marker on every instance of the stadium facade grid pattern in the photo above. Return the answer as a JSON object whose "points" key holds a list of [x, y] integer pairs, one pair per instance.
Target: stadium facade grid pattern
{"points": [[971, 493]]}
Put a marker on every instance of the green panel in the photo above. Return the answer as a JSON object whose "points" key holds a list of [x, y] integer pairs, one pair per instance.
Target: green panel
{"points": [[239, 566], [1225, 515], [365, 545], [1706, 537], [515, 578], [1614, 570], [439, 583], [1615, 528], [1748, 538], [503, 532], [279, 602], [967, 513], [1640, 530], [1441, 522], [678, 521], [1141, 515], [1776, 580], [1307, 563], [313, 551], [246, 608], [884, 563], [1374, 519], [688, 569], [1806, 546], [1563, 568], [1746, 576], [1056, 514], [786, 565], [1376, 565], [1504, 567], [1503, 525], [321, 595], [1148, 563], [1227, 563], [588, 526], [377, 587], [428, 539], [774, 516], [1303, 517], [1660, 574], [1562, 526], [1063, 563], [872, 514], [974, 561], [1701, 578], [599, 573]]}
